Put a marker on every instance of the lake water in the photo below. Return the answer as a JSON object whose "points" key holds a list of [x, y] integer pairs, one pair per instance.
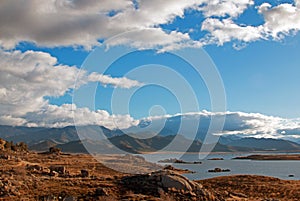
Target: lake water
{"points": [[279, 169]]}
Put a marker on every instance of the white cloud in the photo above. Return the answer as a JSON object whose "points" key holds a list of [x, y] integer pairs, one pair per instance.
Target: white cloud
{"points": [[83, 23], [12, 121], [222, 8], [122, 82], [154, 12], [61, 116], [225, 30], [151, 38], [28, 77], [236, 123], [280, 20]]}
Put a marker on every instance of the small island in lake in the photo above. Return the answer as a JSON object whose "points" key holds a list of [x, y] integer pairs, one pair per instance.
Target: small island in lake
{"points": [[219, 170], [270, 157], [175, 160], [215, 159], [177, 170]]}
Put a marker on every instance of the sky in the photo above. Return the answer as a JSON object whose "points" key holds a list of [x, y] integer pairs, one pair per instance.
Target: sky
{"points": [[48, 47]]}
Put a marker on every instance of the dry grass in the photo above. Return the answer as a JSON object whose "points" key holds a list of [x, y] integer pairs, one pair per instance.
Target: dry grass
{"points": [[254, 187]]}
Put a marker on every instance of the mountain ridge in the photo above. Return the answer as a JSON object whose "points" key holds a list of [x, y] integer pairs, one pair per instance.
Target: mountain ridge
{"points": [[41, 139]]}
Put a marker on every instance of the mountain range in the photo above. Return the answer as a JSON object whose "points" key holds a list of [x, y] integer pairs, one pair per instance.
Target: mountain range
{"points": [[40, 139]]}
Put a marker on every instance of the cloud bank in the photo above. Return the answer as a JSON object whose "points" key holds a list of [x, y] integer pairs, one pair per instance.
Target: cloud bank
{"points": [[237, 123], [27, 78], [84, 23]]}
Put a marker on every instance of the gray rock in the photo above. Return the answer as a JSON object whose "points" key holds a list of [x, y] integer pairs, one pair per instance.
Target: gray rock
{"points": [[58, 169], [174, 181], [101, 192], [34, 168]]}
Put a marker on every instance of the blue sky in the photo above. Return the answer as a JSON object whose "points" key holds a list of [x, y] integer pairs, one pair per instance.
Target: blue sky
{"points": [[254, 45]]}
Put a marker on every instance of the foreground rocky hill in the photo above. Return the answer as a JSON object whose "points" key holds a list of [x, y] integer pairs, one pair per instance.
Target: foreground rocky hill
{"points": [[57, 176], [53, 175]]}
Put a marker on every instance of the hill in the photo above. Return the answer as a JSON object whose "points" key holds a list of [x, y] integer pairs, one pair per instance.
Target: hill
{"points": [[43, 146], [40, 139], [128, 144], [266, 144], [32, 135]]}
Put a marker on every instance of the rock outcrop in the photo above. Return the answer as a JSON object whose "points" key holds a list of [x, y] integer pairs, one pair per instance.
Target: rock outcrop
{"points": [[219, 170], [59, 169], [167, 182], [84, 173]]}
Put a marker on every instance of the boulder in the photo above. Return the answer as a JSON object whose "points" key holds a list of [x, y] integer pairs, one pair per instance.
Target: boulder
{"points": [[169, 182], [101, 192], [84, 173], [34, 167], [58, 169], [53, 174], [2, 144], [4, 156]]}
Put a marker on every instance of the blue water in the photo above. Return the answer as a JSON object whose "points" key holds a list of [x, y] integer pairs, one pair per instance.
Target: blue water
{"points": [[278, 169]]}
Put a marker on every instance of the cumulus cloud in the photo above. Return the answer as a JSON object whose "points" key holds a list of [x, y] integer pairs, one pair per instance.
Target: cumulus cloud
{"points": [[58, 22], [236, 123], [222, 8], [69, 114], [83, 23], [28, 77], [225, 30], [280, 20], [151, 38]]}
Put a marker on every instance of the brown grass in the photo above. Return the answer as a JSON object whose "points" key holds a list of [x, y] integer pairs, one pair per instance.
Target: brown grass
{"points": [[254, 187]]}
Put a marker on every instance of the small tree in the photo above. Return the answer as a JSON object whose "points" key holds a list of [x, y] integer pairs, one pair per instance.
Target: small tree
{"points": [[8, 145], [22, 146], [54, 150]]}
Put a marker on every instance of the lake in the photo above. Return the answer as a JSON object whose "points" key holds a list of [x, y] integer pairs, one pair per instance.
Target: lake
{"points": [[278, 169]]}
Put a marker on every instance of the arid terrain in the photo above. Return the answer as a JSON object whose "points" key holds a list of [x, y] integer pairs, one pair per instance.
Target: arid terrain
{"points": [[251, 187], [56, 176]]}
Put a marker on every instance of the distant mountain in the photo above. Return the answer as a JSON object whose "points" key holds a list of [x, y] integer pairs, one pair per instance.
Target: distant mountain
{"points": [[41, 139], [125, 143], [58, 135], [184, 125], [43, 146], [93, 147], [228, 139], [266, 144]]}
